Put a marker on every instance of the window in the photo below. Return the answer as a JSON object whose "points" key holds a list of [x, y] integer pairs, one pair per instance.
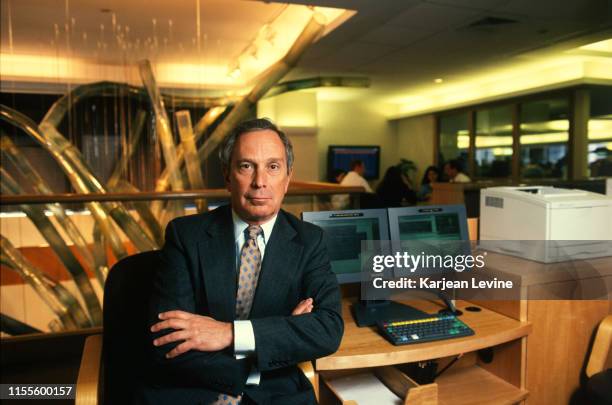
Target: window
{"points": [[454, 138], [493, 148], [544, 135], [600, 132]]}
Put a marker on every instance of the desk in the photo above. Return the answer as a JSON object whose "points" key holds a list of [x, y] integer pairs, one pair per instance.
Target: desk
{"points": [[556, 350], [469, 381]]}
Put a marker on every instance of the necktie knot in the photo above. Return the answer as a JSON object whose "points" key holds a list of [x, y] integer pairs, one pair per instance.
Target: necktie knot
{"points": [[253, 231]]}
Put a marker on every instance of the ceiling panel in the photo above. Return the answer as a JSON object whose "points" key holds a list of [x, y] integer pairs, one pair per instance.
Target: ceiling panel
{"points": [[578, 11], [475, 4], [427, 15], [397, 35]]}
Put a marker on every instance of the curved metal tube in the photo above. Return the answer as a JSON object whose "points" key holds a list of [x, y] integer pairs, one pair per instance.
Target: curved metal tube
{"points": [[192, 162], [97, 210], [70, 317], [271, 76], [63, 252], [81, 178], [30, 175]]}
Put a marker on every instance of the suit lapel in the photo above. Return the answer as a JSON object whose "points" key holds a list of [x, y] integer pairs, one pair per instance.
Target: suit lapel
{"points": [[278, 269], [218, 266]]}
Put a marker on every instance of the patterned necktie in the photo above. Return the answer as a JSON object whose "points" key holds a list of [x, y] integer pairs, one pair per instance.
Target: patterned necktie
{"points": [[250, 264]]}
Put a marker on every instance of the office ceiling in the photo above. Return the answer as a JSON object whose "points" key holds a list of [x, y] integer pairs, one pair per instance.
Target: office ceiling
{"points": [[405, 45], [402, 45]]}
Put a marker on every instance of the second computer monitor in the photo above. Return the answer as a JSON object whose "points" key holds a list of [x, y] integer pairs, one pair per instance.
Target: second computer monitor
{"points": [[442, 222], [431, 230], [345, 231]]}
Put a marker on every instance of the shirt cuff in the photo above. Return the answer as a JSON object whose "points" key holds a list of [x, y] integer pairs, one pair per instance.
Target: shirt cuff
{"points": [[244, 338], [254, 377]]}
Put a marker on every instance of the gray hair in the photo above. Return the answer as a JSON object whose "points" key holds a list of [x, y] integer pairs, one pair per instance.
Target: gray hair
{"points": [[258, 124]]}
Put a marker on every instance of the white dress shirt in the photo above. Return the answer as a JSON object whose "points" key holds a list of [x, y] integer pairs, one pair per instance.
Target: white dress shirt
{"points": [[244, 337], [352, 179], [461, 178]]}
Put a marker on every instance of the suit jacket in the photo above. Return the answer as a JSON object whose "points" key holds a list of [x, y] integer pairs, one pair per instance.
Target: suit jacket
{"points": [[198, 275]]}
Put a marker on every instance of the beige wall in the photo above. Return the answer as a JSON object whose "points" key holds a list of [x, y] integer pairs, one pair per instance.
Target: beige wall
{"points": [[293, 109], [313, 124], [415, 141], [354, 122], [296, 114]]}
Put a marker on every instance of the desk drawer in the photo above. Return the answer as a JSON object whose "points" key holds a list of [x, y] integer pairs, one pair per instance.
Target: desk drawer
{"points": [[380, 385]]}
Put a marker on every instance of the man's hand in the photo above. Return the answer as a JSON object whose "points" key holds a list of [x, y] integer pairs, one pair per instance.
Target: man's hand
{"points": [[203, 333], [304, 307], [199, 332]]}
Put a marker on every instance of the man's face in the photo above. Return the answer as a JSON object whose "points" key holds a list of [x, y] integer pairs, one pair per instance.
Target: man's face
{"points": [[450, 171], [257, 177], [360, 169]]}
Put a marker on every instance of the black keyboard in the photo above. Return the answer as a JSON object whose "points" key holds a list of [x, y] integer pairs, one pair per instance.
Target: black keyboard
{"points": [[433, 327]]}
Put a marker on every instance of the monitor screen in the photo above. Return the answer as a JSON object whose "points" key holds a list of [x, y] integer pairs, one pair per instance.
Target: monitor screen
{"points": [[340, 158], [445, 222], [429, 229], [345, 230]]}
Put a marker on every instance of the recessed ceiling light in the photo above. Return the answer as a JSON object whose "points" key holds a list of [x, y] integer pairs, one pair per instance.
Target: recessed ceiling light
{"points": [[438, 80]]}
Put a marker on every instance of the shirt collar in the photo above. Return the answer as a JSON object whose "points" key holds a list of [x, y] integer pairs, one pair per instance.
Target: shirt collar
{"points": [[240, 226]]}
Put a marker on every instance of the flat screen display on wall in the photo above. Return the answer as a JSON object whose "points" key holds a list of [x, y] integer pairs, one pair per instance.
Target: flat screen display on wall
{"points": [[339, 157]]}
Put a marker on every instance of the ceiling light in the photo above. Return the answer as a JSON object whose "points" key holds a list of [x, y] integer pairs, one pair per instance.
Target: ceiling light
{"points": [[438, 80]]}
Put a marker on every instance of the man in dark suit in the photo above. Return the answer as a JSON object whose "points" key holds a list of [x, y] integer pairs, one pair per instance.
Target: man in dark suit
{"points": [[244, 292]]}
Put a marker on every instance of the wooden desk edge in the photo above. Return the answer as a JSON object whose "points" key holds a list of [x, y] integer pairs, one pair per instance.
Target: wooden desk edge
{"points": [[424, 351]]}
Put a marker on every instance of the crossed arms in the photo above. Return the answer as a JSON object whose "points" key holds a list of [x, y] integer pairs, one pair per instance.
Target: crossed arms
{"points": [[197, 349]]}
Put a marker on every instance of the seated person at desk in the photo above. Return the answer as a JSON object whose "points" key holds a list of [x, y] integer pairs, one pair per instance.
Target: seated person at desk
{"points": [[214, 341], [432, 174], [454, 171], [394, 190], [354, 178]]}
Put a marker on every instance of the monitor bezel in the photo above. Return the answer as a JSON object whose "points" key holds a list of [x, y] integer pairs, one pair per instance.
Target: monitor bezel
{"points": [[331, 148], [337, 215], [395, 213]]}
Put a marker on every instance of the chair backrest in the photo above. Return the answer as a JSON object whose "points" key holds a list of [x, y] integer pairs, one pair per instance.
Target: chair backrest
{"points": [[601, 347], [125, 346]]}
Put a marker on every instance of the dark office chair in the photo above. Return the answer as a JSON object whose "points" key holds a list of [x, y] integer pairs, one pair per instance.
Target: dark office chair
{"points": [[111, 376], [599, 383]]}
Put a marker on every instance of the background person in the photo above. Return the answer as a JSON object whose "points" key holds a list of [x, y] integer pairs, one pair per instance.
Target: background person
{"points": [[431, 175], [454, 171], [353, 178], [394, 190]]}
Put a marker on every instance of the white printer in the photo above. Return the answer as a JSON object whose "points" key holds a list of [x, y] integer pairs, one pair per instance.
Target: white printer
{"points": [[580, 221]]}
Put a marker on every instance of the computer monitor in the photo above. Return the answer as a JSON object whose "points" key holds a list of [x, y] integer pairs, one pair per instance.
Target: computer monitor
{"points": [[436, 229], [435, 222], [345, 230], [340, 158]]}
